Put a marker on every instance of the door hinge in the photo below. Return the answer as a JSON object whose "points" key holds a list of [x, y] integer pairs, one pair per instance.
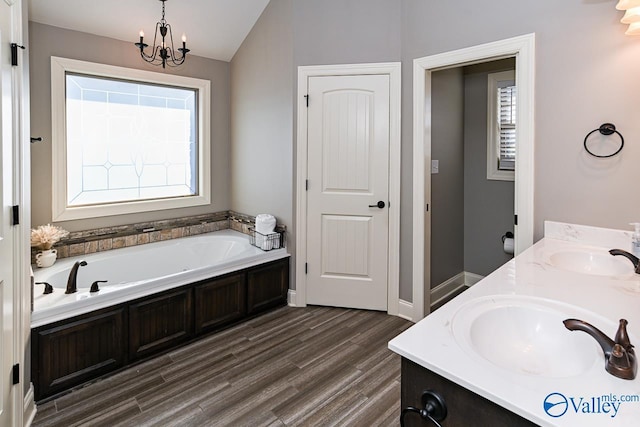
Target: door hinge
{"points": [[15, 215], [515, 219], [14, 53], [306, 268], [306, 185], [16, 373], [307, 97]]}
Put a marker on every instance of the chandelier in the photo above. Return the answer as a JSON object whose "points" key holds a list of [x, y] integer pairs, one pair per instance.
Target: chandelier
{"points": [[163, 53]]}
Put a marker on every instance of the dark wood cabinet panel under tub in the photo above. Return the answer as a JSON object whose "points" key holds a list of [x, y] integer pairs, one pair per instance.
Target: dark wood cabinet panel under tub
{"points": [[219, 302], [76, 350], [159, 323], [73, 351], [266, 286], [464, 407]]}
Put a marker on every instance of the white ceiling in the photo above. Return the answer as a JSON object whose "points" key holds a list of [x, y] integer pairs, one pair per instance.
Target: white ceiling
{"points": [[214, 28]]}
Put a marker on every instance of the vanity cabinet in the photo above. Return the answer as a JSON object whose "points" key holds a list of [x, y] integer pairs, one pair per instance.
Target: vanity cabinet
{"points": [[159, 323], [464, 408], [76, 350], [73, 351]]}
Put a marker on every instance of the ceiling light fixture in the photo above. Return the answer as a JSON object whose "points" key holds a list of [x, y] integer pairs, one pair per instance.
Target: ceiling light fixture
{"points": [[631, 15], [163, 54]]}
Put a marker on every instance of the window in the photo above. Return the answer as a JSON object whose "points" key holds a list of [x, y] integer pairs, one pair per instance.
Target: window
{"points": [[501, 126], [127, 141]]}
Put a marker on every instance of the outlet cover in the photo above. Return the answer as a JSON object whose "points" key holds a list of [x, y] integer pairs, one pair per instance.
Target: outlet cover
{"points": [[435, 166]]}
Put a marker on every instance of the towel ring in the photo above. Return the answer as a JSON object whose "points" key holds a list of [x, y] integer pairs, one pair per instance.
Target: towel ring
{"points": [[605, 129]]}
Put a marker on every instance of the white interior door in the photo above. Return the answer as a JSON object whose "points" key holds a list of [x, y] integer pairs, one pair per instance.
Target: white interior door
{"points": [[6, 197], [348, 191]]}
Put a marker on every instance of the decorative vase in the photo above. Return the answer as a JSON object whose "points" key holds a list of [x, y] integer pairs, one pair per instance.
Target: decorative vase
{"points": [[46, 258]]}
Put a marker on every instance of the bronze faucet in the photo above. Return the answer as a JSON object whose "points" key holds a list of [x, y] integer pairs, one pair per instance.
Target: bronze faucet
{"points": [[72, 285], [634, 259], [619, 354]]}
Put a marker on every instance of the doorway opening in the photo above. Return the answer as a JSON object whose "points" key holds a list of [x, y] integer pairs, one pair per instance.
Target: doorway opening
{"points": [[521, 49]]}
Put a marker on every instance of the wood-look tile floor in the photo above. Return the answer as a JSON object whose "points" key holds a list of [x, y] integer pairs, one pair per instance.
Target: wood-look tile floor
{"points": [[313, 366]]}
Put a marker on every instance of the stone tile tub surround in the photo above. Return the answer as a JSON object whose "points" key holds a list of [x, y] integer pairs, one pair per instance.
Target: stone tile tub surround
{"points": [[598, 299], [103, 239]]}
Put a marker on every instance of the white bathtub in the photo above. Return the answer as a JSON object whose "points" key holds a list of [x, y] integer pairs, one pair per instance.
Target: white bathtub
{"points": [[142, 270]]}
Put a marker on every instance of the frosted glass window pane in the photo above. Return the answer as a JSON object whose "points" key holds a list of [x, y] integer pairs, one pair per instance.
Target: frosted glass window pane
{"points": [[128, 136], [94, 178]]}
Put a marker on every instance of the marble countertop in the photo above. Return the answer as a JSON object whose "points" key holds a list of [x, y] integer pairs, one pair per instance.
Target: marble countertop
{"points": [[588, 395]]}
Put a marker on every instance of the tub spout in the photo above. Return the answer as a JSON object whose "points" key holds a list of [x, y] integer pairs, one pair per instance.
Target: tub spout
{"points": [[620, 358], [72, 285], [634, 259]]}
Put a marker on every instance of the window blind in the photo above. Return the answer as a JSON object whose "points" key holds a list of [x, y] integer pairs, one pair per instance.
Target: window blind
{"points": [[507, 127]]}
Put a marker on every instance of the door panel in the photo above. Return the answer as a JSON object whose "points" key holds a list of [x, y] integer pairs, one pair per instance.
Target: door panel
{"points": [[348, 171], [343, 238], [347, 154]]}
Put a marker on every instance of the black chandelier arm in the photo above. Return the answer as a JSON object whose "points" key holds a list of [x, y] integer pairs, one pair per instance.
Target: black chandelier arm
{"points": [[170, 59]]}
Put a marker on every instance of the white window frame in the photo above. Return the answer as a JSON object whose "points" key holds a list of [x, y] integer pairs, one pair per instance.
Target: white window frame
{"points": [[493, 131], [60, 211]]}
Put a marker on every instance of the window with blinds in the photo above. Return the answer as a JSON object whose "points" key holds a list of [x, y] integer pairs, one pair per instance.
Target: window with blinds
{"points": [[501, 125], [507, 127]]}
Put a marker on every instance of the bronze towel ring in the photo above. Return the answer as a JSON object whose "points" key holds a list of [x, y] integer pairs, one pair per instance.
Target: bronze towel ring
{"points": [[605, 129]]}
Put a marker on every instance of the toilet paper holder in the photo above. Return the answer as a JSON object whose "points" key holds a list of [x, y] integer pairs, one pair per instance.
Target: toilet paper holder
{"points": [[508, 245]]}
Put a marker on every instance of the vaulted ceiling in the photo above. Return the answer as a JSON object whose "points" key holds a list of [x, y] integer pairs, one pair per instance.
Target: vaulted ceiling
{"points": [[214, 28]]}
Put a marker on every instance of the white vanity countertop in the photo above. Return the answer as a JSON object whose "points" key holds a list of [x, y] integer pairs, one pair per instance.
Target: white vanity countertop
{"points": [[599, 300]]}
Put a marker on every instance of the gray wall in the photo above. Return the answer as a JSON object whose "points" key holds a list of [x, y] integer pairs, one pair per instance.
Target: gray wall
{"points": [[262, 172], [488, 204], [346, 32], [47, 41], [586, 74], [448, 185]]}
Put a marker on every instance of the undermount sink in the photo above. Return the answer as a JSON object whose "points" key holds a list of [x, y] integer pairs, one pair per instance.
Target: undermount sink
{"points": [[526, 335], [586, 262]]}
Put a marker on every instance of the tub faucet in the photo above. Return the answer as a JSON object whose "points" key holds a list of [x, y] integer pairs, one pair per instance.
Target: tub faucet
{"points": [[72, 285], [620, 358], [634, 259]]}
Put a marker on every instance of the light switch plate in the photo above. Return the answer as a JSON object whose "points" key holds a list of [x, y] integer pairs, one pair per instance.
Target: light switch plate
{"points": [[435, 166]]}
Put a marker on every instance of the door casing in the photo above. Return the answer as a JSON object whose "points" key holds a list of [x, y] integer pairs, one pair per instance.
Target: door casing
{"points": [[393, 70], [523, 49]]}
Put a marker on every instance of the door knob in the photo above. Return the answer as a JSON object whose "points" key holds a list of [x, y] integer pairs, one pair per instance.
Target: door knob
{"points": [[379, 205]]}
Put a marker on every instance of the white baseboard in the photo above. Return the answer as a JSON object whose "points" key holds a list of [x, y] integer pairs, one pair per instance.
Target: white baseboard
{"points": [[29, 407], [471, 279], [446, 289], [405, 310], [291, 298]]}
